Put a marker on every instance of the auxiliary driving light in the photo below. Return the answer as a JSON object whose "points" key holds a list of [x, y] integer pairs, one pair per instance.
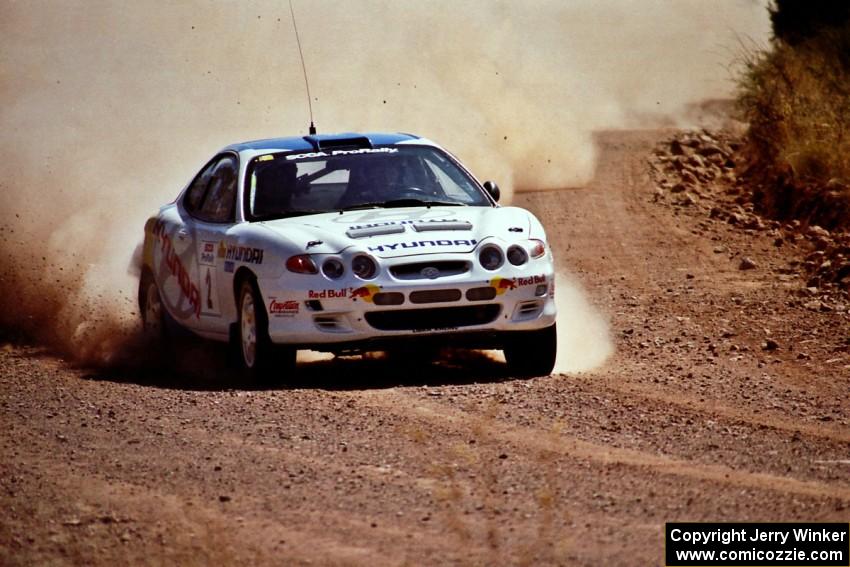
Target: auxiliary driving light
{"points": [[517, 255], [491, 257], [333, 268], [364, 267]]}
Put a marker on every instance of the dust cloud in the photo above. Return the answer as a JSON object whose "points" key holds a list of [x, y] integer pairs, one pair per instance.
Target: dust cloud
{"points": [[108, 108], [584, 338]]}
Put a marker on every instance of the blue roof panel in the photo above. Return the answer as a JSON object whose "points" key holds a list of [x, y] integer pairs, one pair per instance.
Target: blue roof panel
{"points": [[296, 143]]}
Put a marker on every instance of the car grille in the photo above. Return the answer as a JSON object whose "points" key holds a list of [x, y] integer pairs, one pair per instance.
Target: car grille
{"points": [[439, 269], [435, 296], [440, 318], [388, 298], [481, 293]]}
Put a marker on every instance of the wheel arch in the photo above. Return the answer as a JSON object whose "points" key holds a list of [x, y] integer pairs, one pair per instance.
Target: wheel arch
{"points": [[145, 274], [242, 274]]}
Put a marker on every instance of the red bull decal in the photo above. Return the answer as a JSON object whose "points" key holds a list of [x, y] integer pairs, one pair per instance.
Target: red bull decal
{"points": [[187, 288], [284, 308], [531, 280], [501, 285], [328, 293], [366, 293]]}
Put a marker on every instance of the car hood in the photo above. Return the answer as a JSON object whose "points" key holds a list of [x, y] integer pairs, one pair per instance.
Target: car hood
{"points": [[389, 233]]}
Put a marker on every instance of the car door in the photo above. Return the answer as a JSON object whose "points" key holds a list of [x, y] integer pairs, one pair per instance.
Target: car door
{"points": [[173, 254], [209, 224]]}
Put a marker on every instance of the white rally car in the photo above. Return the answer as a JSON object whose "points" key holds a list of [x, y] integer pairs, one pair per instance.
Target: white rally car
{"points": [[348, 243]]}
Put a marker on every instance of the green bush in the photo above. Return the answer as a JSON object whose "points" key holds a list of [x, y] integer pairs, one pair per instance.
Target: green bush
{"points": [[796, 99]]}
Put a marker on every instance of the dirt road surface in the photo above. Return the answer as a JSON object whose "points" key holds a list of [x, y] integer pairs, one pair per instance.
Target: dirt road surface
{"points": [[364, 462]]}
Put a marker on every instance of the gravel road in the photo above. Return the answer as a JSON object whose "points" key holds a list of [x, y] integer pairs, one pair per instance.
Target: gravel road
{"points": [[696, 417]]}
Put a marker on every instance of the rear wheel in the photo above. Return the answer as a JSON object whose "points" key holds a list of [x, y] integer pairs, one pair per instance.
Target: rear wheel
{"points": [[256, 354], [532, 353]]}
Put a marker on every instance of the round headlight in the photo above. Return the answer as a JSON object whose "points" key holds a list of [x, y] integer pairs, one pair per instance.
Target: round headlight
{"points": [[364, 267], [333, 268], [491, 257], [517, 255]]}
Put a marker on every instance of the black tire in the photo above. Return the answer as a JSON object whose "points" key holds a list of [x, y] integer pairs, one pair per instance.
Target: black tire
{"points": [[532, 353], [261, 360]]}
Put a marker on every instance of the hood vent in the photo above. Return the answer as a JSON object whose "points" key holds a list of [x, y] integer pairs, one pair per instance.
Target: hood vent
{"points": [[338, 142], [428, 226], [374, 230]]}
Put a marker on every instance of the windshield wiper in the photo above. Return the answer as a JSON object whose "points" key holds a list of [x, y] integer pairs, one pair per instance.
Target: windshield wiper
{"points": [[396, 203]]}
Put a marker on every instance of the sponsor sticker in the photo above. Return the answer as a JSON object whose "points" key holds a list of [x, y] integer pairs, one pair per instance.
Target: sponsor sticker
{"points": [[283, 307], [501, 285], [188, 289], [329, 293], [244, 254], [207, 254], [228, 266], [366, 293], [421, 244], [311, 155], [531, 280]]}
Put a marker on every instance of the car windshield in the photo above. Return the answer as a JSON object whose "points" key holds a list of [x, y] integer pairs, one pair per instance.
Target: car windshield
{"points": [[288, 184]]}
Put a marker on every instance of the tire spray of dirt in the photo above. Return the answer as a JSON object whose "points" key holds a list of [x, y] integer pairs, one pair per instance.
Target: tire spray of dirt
{"points": [[584, 338], [108, 108]]}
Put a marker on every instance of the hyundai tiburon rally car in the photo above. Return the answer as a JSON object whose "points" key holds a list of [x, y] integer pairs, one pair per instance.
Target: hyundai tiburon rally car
{"points": [[348, 243]]}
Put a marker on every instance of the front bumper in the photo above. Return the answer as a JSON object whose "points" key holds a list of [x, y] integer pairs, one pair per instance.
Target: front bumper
{"points": [[474, 308]]}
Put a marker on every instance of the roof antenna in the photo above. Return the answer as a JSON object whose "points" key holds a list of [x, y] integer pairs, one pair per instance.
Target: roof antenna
{"points": [[303, 68]]}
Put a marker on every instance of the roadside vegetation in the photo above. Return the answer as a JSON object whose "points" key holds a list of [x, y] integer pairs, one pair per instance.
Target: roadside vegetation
{"points": [[795, 96]]}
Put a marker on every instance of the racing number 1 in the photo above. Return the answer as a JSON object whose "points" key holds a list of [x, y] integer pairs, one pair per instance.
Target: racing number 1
{"points": [[208, 281]]}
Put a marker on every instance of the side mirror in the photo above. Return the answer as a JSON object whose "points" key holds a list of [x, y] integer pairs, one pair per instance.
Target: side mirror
{"points": [[492, 189]]}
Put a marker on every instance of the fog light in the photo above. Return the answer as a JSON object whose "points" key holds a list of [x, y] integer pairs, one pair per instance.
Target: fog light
{"points": [[541, 290]]}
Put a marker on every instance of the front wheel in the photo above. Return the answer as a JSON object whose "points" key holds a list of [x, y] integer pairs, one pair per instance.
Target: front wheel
{"points": [[532, 353], [255, 351], [150, 307]]}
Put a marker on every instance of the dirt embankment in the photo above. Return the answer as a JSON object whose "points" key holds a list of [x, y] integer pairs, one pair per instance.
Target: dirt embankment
{"points": [[726, 400]]}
